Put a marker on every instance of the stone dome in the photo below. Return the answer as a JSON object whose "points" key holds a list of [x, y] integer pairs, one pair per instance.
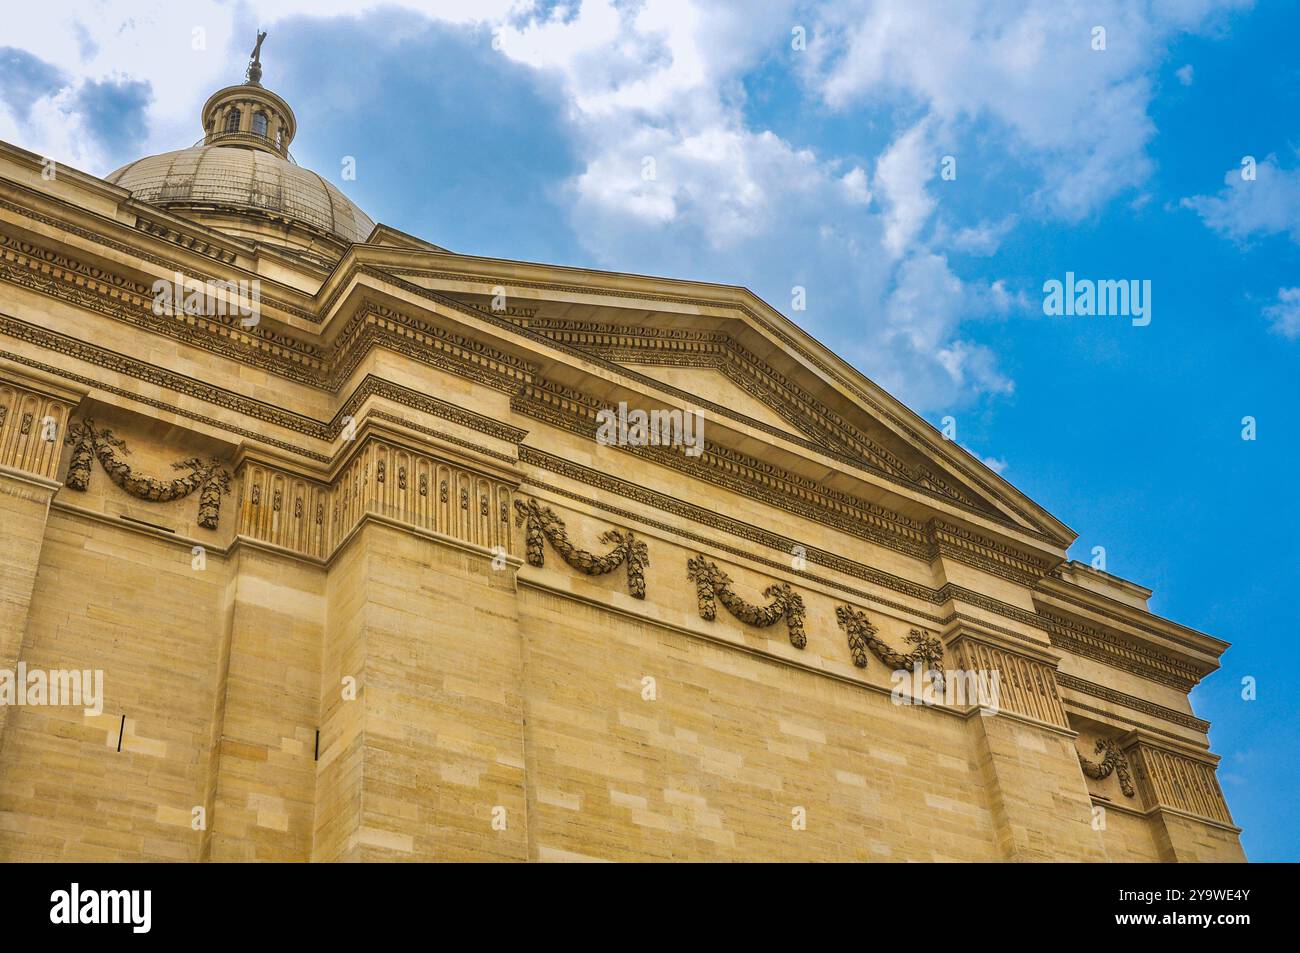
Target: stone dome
{"points": [[240, 179], [227, 177]]}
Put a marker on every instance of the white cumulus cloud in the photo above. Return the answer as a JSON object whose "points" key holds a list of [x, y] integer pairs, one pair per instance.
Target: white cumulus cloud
{"points": [[678, 176], [1268, 204], [1284, 314]]}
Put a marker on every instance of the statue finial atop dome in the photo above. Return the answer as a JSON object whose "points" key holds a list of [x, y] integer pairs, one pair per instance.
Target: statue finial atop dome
{"points": [[254, 75], [249, 116]]}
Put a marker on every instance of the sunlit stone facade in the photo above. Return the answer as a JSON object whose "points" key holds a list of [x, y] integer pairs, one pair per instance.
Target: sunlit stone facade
{"points": [[363, 584]]}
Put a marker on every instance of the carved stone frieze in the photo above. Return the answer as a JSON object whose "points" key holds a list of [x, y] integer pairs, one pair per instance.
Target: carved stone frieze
{"points": [[701, 348], [576, 412], [416, 337], [1177, 780], [1113, 651], [741, 473], [757, 535], [406, 329], [88, 442], [383, 479], [954, 542], [422, 339], [1026, 685], [1094, 643], [542, 524], [1074, 683], [712, 585], [200, 246], [300, 529], [841, 442], [716, 349], [792, 344], [123, 299], [31, 429]]}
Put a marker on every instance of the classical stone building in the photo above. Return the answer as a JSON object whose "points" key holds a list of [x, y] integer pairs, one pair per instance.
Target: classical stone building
{"points": [[333, 521]]}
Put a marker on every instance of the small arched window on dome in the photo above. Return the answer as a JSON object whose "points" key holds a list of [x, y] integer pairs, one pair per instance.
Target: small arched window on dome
{"points": [[259, 124], [279, 138], [232, 121]]}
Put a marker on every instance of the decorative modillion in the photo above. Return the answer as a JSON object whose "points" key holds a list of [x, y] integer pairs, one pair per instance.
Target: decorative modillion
{"points": [[1114, 762], [543, 524], [862, 636], [713, 585], [210, 479]]}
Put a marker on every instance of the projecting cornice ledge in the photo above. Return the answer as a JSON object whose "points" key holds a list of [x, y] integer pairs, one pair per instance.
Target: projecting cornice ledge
{"points": [[1086, 624], [409, 313]]}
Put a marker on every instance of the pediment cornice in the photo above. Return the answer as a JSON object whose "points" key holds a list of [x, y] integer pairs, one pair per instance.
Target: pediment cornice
{"points": [[1091, 615], [769, 333], [716, 349], [409, 300]]}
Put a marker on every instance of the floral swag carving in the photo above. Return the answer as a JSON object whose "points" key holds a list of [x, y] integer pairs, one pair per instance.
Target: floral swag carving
{"points": [[88, 442], [1114, 762], [543, 524], [862, 636], [713, 585]]}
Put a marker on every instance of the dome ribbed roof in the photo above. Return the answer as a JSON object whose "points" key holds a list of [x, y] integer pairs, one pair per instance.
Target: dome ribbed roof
{"points": [[242, 179]]}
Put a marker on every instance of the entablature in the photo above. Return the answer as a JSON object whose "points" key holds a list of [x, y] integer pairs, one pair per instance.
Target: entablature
{"points": [[1094, 626], [852, 458]]}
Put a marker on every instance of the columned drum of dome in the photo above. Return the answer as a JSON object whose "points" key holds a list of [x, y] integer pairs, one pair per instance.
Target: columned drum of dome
{"points": [[249, 116]]}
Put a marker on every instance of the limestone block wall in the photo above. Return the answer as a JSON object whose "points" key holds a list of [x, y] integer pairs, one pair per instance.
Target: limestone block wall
{"points": [[339, 768], [121, 785], [263, 774], [431, 751], [386, 659], [727, 754], [24, 506]]}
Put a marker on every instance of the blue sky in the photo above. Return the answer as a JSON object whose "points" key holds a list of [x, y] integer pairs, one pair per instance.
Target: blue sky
{"points": [[522, 131]]}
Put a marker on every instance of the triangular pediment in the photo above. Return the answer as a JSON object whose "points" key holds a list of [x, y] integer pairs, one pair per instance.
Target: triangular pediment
{"points": [[711, 384], [747, 362], [716, 368]]}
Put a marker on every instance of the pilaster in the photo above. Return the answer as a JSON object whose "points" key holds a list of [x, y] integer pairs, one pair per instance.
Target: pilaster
{"points": [[34, 415], [262, 781], [1189, 816], [1025, 750], [421, 691]]}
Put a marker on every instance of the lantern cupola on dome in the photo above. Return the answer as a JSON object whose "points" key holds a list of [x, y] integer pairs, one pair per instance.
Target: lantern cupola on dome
{"points": [[249, 115]]}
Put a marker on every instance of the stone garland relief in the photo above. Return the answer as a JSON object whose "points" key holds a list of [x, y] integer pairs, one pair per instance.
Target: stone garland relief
{"points": [[713, 585], [543, 524], [89, 442], [862, 636], [1114, 762]]}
